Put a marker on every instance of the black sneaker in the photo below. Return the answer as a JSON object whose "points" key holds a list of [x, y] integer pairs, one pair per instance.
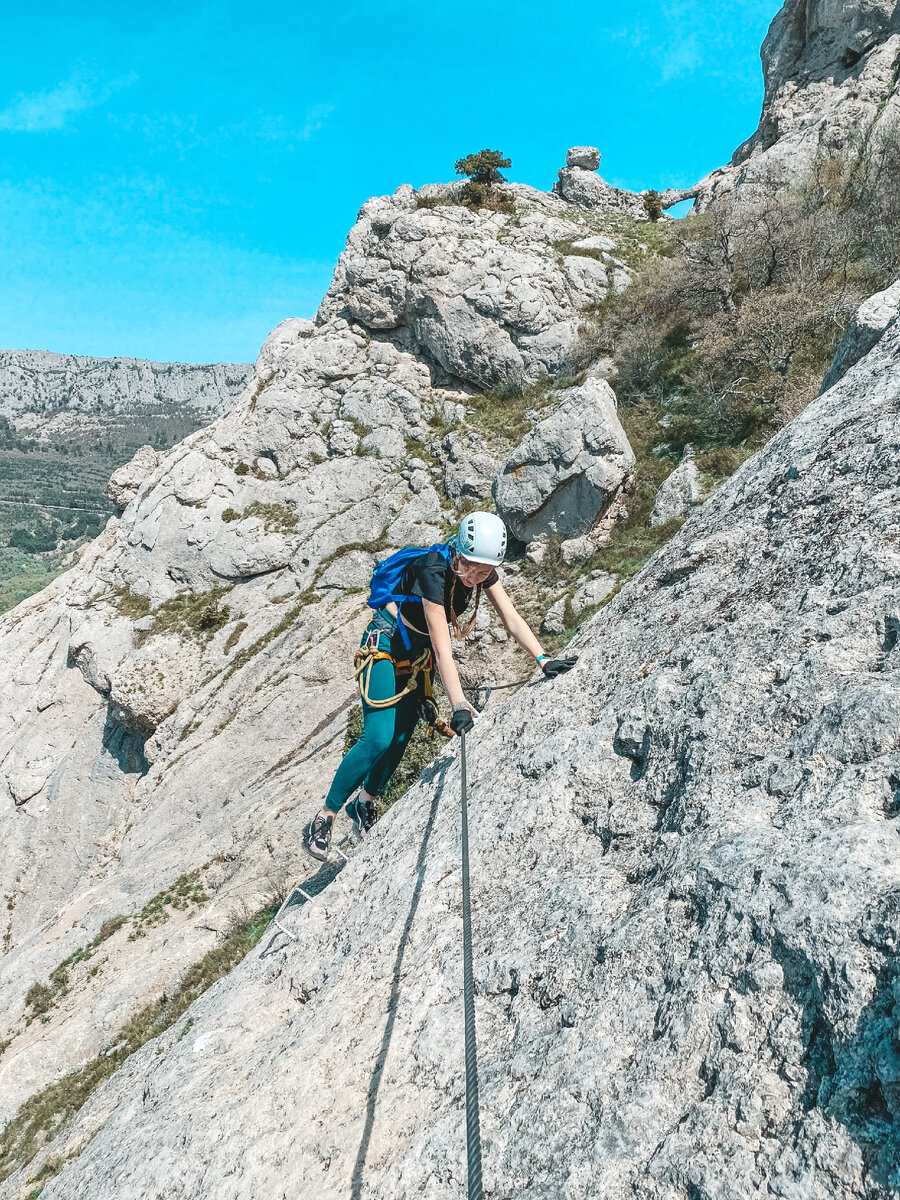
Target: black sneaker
{"points": [[318, 835], [362, 813]]}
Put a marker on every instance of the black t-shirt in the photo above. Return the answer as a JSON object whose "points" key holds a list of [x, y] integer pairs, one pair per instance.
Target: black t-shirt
{"points": [[431, 577]]}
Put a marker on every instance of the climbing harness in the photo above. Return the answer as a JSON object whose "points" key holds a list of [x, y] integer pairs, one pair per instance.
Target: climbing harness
{"points": [[473, 1126], [366, 657]]}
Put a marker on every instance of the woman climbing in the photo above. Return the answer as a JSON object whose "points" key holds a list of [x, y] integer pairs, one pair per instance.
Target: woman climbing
{"points": [[418, 597]]}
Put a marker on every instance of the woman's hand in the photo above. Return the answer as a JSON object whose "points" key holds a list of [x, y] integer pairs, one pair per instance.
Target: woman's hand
{"points": [[557, 666], [462, 720]]}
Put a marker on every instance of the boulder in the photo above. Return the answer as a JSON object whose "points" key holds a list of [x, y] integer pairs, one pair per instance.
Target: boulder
{"points": [[586, 157], [126, 480], [567, 472], [554, 621], [679, 492], [589, 190], [593, 592]]}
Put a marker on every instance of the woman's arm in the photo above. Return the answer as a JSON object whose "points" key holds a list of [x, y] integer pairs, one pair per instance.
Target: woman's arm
{"points": [[439, 632], [516, 626]]}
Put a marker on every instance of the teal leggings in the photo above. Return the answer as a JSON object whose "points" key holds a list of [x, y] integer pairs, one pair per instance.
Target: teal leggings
{"points": [[386, 732]]}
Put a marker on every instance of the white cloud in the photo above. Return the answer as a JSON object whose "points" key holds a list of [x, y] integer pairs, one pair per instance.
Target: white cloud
{"points": [[39, 111]]}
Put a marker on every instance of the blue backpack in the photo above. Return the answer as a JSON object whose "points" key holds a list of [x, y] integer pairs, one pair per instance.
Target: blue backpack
{"points": [[387, 580]]}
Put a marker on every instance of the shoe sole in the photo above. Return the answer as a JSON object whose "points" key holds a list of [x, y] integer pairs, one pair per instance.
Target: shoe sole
{"points": [[311, 849]]}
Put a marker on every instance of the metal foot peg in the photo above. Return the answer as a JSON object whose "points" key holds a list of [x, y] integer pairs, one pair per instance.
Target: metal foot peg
{"points": [[275, 921]]}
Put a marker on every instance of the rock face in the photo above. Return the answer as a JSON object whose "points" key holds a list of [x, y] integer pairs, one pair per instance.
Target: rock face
{"points": [[175, 704], [830, 79], [679, 492], [686, 879], [484, 301], [126, 480], [569, 469], [579, 184]]}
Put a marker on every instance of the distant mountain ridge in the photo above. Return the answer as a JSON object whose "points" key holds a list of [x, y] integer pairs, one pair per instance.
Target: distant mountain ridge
{"points": [[40, 381]]}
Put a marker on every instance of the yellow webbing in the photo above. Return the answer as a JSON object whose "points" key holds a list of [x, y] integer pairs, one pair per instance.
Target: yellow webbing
{"points": [[367, 656]]}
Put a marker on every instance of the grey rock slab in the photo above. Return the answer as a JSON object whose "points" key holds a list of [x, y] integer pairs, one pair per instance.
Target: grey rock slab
{"points": [[685, 871], [869, 322], [569, 469], [679, 492]]}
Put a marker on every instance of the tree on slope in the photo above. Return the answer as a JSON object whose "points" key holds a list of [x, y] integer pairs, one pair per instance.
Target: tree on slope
{"points": [[483, 170]]}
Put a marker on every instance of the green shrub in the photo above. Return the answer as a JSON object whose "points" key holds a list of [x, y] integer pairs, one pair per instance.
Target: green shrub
{"points": [[653, 204], [483, 167]]}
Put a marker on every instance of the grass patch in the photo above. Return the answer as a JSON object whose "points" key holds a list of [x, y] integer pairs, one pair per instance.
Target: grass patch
{"points": [[501, 413], [566, 248], [185, 892], [276, 518], [131, 605], [196, 615], [42, 1116], [235, 636], [42, 997]]}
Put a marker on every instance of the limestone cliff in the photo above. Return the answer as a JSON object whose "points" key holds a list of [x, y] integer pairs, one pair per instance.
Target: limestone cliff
{"points": [[830, 69], [43, 385], [175, 704]]}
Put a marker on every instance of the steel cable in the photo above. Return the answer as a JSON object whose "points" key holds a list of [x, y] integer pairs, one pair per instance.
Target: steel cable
{"points": [[473, 1127]]}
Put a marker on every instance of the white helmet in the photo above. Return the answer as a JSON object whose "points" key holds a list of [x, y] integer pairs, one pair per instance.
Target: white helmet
{"points": [[482, 538]]}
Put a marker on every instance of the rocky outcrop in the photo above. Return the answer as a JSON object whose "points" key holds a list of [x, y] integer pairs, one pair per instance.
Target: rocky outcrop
{"points": [[679, 492], [483, 299], [869, 322], [568, 471], [686, 875], [830, 83], [579, 184], [126, 480]]}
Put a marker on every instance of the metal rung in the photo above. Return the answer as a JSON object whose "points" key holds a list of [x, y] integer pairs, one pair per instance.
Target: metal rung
{"points": [[306, 896]]}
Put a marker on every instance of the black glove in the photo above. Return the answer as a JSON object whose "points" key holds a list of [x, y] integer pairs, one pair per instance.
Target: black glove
{"points": [[557, 666], [461, 721]]}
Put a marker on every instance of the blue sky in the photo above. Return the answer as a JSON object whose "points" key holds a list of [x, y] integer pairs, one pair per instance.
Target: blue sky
{"points": [[176, 179]]}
